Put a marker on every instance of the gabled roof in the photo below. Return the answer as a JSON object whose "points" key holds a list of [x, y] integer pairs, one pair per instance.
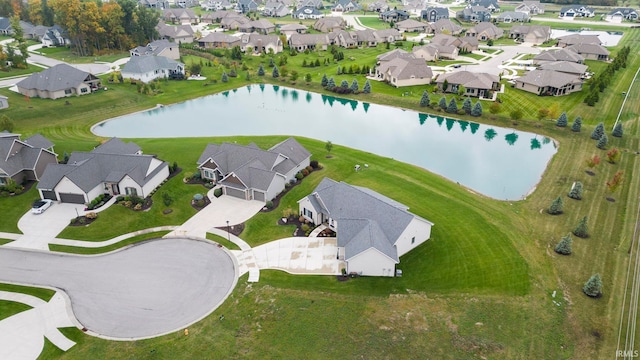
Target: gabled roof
{"points": [[58, 77], [308, 39], [410, 24], [589, 49], [154, 48], [445, 25], [117, 146], [579, 39], [559, 55], [393, 12], [551, 78], [366, 219], [539, 31], [469, 79], [486, 3], [220, 37], [293, 27], [624, 11], [147, 63], [487, 27], [39, 141], [406, 68], [307, 11], [516, 15], [565, 67], [17, 155], [440, 11], [396, 53]]}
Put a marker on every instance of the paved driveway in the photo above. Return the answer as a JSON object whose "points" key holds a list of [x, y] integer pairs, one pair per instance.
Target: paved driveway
{"points": [[143, 291], [299, 255]]}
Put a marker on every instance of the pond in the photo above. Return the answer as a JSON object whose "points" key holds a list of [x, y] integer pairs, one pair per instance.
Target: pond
{"points": [[608, 38], [501, 163]]}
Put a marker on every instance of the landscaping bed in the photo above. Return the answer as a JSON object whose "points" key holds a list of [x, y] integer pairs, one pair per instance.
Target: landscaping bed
{"points": [[84, 220], [233, 229], [275, 202], [135, 203]]}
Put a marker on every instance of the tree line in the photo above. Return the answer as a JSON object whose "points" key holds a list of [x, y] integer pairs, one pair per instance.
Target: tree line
{"points": [[93, 27]]}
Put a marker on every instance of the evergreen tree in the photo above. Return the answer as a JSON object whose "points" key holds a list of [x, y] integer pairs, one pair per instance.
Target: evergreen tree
{"points": [[593, 286], [564, 246], [355, 86], [307, 78], [453, 106], [602, 143], [443, 103], [331, 83], [562, 120], [367, 87], [477, 110], [598, 132], [582, 231], [260, 70], [556, 206], [577, 124], [424, 101], [224, 77], [275, 73], [271, 62], [576, 191], [617, 130], [324, 80], [317, 63], [467, 106], [247, 77], [344, 84]]}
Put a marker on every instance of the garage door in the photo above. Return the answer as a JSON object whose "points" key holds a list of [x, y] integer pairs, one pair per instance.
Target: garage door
{"points": [[257, 195], [235, 193], [72, 198], [49, 194]]}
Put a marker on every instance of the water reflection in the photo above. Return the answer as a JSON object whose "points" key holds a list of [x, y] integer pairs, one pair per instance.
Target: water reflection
{"points": [[535, 144], [308, 97], [490, 134], [511, 138]]}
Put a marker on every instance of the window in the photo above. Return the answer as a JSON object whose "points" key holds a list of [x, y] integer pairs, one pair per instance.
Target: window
{"points": [[131, 191], [413, 240], [67, 91], [209, 174], [84, 90]]}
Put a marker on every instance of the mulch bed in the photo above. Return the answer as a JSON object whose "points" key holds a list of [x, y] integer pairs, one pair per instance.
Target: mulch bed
{"points": [[198, 208], [81, 221], [590, 173], [172, 174], [295, 221], [146, 204], [234, 229], [276, 200]]}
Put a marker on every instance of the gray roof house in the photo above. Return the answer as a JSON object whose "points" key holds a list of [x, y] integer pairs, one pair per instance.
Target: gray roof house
{"points": [[373, 231], [433, 14], [250, 173], [568, 40], [485, 31], [619, 14], [311, 3], [393, 15], [177, 33], [558, 55], [567, 67], [590, 51], [162, 47], [573, 11], [24, 159], [290, 29], [147, 68], [549, 83], [113, 168], [531, 7], [445, 26], [532, 34], [474, 14], [58, 81], [180, 16], [4, 102], [307, 12], [491, 5], [55, 36], [378, 6], [276, 8], [512, 17], [5, 26], [404, 71], [411, 25], [246, 6], [345, 6], [302, 42], [328, 24], [466, 43], [475, 84], [155, 4], [261, 26]]}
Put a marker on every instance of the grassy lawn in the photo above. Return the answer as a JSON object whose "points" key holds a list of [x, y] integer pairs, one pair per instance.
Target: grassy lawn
{"points": [[19, 72], [480, 288], [41, 293], [108, 248], [10, 308], [222, 241], [67, 55], [13, 207], [373, 22]]}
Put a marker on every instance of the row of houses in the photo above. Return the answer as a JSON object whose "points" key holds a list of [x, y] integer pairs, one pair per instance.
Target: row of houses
{"points": [[46, 35]]}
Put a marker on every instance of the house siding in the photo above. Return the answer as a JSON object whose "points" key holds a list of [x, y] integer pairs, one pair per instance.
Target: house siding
{"points": [[276, 186], [306, 204], [411, 82], [44, 159], [67, 186], [156, 180], [418, 229], [371, 262]]}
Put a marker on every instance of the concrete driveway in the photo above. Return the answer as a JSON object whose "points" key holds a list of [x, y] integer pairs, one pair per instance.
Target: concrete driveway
{"points": [[300, 255], [39, 229], [495, 64], [143, 291]]}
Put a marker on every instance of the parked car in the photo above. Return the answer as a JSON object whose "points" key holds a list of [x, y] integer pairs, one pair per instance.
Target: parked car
{"points": [[40, 206]]}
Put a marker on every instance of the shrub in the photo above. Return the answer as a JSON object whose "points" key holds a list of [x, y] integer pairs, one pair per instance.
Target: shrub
{"points": [[313, 164], [91, 215], [137, 207], [305, 227], [613, 155], [287, 185], [305, 172], [309, 168], [593, 286], [269, 204], [166, 198], [564, 246], [299, 176], [556, 206], [217, 192]]}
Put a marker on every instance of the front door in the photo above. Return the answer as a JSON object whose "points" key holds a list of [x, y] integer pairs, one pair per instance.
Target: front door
{"points": [[115, 190]]}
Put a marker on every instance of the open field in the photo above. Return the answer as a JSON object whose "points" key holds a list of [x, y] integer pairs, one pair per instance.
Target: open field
{"points": [[481, 287]]}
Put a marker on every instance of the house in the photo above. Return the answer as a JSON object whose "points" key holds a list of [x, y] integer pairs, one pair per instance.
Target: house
{"points": [[276, 8], [433, 14], [531, 8], [343, 39], [311, 3], [411, 25], [307, 12], [474, 14], [186, 3], [290, 29], [531, 34], [558, 55], [387, 35], [55, 36], [393, 15], [568, 40], [620, 14], [590, 51], [58, 81], [466, 43], [485, 31], [414, 7], [32, 32], [250, 173], [372, 230], [445, 26], [175, 33], [432, 52], [475, 84], [574, 11], [5, 26], [162, 47], [26, 159], [233, 22], [114, 168], [4, 102], [216, 40], [548, 82], [329, 24], [212, 5], [512, 17], [566, 67], [259, 43], [491, 5], [261, 26], [147, 68], [404, 71], [302, 42], [393, 54], [247, 6], [154, 4], [180, 16], [345, 6], [378, 6]]}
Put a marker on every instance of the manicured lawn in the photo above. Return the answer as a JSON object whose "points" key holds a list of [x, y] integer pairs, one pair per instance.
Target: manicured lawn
{"points": [[105, 249], [11, 72], [13, 207], [222, 241], [67, 55], [373, 22], [10, 308], [42, 293]]}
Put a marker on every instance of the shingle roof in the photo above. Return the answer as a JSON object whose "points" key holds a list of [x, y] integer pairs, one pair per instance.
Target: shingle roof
{"points": [[388, 56], [406, 68], [469, 79], [410, 24], [487, 27], [215, 37], [589, 49], [308, 39], [146, 63], [17, 155], [445, 25], [58, 77], [117, 146], [155, 47], [39, 141], [293, 27], [548, 78], [580, 39], [565, 67], [559, 55]]}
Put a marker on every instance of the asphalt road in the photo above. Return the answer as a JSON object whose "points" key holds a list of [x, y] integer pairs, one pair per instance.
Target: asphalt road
{"points": [[146, 290]]}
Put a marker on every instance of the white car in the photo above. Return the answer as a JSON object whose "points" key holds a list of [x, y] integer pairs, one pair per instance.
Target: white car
{"points": [[40, 206]]}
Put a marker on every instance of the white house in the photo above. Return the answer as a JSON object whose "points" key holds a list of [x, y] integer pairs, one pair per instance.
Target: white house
{"points": [[147, 68], [373, 231]]}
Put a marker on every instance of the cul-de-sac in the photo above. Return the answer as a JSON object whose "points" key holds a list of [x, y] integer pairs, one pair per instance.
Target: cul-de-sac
{"points": [[284, 179]]}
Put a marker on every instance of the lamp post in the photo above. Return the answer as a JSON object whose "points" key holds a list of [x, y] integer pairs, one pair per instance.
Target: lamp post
{"points": [[228, 231]]}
